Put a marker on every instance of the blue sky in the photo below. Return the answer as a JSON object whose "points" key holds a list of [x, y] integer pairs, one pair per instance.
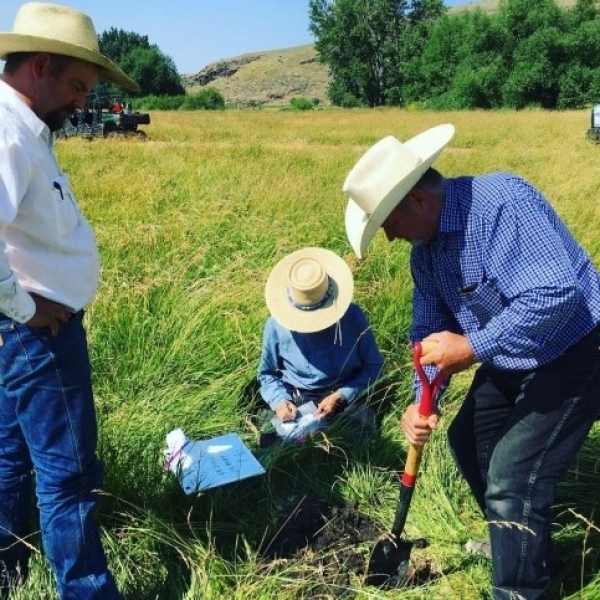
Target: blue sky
{"points": [[195, 33]]}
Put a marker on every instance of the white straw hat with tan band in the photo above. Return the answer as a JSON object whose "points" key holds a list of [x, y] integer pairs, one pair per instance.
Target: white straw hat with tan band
{"points": [[41, 27], [383, 176], [309, 290]]}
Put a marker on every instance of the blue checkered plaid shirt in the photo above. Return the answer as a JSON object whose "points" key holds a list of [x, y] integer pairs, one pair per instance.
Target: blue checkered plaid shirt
{"points": [[505, 271]]}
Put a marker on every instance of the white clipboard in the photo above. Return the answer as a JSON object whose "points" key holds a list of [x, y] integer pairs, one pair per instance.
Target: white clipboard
{"points": [[207, 464]]}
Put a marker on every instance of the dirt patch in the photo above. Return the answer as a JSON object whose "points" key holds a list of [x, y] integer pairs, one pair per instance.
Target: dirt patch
{"points": [[337, 541]]}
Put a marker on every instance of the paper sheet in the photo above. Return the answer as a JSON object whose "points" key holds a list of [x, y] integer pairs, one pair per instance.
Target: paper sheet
{"points": [[302, 425]]}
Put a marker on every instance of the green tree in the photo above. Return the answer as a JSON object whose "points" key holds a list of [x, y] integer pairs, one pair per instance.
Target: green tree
{"points": [[575, 87], [522, 18], [361, 42], [429, 74], [583, 12], [461, 65], [477, 84], [582, 45], [154, 71], [538, 64], [116, 43], [578, 82]]}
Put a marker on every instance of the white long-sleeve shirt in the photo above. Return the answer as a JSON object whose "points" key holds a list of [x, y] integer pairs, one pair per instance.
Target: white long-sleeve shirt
{"points": [[46, 245]]}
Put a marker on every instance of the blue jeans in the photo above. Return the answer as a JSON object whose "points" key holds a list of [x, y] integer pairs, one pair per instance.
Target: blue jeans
{"points": [[513, 439], [48, 424]]}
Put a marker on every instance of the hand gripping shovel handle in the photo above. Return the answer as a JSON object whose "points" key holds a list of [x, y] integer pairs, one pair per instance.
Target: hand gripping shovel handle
{"points": [[413, 460]]}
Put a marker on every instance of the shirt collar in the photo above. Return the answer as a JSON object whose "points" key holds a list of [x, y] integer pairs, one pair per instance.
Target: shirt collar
{"points": [[451, 217], [11, 97]]}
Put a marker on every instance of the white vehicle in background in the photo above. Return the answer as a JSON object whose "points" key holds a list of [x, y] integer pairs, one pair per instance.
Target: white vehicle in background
{"points": [[594, 130]]}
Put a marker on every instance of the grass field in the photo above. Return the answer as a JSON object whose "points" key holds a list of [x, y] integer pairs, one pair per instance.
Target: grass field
{"points": [[189, 224]]}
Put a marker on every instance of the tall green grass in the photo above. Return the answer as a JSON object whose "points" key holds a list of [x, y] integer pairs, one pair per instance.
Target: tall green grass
{"points": [[189, 224]]}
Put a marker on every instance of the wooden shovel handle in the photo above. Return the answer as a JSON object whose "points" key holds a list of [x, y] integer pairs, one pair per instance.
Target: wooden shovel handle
{"points": [[411, 468]]}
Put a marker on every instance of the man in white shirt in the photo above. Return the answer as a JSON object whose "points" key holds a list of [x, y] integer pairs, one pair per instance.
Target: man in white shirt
{"points": [[49, 267]]}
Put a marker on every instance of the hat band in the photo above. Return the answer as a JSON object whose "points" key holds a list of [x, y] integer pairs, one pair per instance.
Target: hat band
{"points": [[315, 305]]}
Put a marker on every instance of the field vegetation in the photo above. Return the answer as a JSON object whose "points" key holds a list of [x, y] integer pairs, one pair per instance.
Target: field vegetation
{"points": [[189, 224]]}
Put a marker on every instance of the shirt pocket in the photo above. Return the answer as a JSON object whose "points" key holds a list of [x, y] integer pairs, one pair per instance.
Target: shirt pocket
{"points": [[66, 213], [484, 302]]}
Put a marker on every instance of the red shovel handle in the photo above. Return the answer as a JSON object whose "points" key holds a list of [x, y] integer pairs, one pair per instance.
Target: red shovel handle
{"points": [[429, 389]]}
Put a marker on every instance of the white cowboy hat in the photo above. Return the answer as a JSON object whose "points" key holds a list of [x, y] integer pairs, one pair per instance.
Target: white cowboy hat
{"points": [[309, 290], [61, 30], [383, 176]]}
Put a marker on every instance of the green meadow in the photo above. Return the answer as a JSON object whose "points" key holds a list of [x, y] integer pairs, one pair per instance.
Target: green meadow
{"points": [[189, 224]]}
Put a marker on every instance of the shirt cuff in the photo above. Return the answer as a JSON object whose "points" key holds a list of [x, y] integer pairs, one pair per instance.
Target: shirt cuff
{"points": [[273, 403], [483, 346], [15, 302], [348, 394]]}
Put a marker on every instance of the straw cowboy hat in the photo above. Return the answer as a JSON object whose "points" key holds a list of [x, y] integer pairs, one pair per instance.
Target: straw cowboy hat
{"points": [[383, 176], [309, 290], [62, 30]]}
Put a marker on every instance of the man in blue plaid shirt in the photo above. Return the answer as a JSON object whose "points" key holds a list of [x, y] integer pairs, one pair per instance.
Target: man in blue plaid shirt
{"points": [[498, 280]]}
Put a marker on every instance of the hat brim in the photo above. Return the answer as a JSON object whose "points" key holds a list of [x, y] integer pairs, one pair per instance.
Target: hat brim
{"points": [[309, 321], [11, 43], [362, 227]]}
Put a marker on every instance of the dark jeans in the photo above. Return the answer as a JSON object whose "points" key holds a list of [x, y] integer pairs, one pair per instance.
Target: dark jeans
{"points": [[513, 439], [48, 423]]}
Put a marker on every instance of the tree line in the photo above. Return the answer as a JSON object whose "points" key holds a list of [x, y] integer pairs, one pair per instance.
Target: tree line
{"points": [[414, 52]]}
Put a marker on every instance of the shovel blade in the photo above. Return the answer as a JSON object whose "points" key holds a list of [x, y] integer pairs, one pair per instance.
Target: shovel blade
{"points": [[389, 561]]}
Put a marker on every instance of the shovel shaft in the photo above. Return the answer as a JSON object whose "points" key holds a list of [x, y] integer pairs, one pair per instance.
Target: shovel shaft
{"points": [[409, 479]]}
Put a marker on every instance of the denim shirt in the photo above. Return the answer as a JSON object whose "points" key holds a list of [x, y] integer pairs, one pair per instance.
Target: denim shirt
{"points": [[318, 361]]}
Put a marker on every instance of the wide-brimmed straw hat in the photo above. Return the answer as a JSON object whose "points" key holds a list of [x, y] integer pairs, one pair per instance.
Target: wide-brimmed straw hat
{"points": [[309, 290], [41, 27], [383, 176]]}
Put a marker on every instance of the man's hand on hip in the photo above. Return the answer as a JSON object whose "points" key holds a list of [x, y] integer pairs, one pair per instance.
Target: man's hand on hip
{"points": [[48, 314]]}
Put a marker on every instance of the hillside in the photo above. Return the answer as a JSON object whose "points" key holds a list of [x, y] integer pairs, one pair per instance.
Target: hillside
{"points": [[273, 78], [265, 78]]}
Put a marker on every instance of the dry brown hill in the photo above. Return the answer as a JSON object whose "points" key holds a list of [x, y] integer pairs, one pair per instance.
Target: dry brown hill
{"points": [[265, 78]]}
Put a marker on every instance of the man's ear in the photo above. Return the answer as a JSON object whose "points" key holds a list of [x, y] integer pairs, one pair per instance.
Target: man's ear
{"points": [[41, 65], [418, 198], [426, 202]]}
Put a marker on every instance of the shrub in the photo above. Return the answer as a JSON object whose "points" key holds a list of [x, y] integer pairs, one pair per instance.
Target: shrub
{"points": [[158, 102], [301, 104], [207, 99]]}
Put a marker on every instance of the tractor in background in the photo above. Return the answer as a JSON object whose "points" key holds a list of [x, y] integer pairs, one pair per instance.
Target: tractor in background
{"points": [[125, 124], [100, 118]]}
